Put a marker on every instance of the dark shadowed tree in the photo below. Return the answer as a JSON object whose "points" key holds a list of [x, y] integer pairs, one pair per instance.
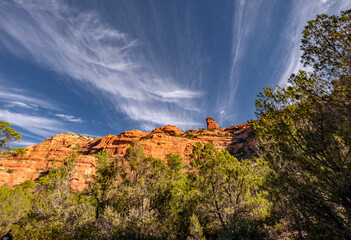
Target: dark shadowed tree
{"points": [[326, 45], [305, 134], [102, 186]]}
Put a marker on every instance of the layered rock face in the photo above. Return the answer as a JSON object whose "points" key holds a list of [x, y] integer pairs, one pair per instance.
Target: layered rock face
{"points": [[238, 140], [17, 169]]}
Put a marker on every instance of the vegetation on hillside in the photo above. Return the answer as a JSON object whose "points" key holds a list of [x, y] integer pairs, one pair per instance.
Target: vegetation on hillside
{"points": [[138, 197]]}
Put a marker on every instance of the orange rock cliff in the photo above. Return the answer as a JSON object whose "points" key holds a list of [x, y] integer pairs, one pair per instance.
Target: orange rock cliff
{"points": [[238, 140]]}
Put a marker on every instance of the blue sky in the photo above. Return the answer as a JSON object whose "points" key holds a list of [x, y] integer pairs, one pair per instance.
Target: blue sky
{"points": [[97, 67]]}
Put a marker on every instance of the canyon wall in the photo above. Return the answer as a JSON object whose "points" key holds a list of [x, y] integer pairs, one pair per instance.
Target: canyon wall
{"points": [[14, 169]]}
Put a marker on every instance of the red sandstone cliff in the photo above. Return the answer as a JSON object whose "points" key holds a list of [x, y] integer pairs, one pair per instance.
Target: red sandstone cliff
{"points": [[238, 140]]}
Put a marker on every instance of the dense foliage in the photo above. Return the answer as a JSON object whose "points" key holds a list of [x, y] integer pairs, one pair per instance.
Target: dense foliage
{"points": [[138, 197], [305, 135], [326, 45]]}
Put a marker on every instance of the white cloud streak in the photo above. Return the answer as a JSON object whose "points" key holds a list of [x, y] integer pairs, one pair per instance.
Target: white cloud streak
{"points": [[16, 97], [240, 32], [38, 125], [249, 18], [69, 118], [102, 59], [20, 108], [12, 104], [23, 143], [153, 117]]}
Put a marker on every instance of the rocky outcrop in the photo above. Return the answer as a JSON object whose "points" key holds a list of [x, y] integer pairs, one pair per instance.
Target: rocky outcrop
{"points": [[15, 169], [133, 134], [238, 140], [58, 146], [169, 129], [211, 123]]}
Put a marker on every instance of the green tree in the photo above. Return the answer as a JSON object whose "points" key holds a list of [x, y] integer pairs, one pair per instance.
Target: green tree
{"points": [[326, 45], [230, 201], [304, 132], [102, 186], [133, 203], [56, 212], [195, 229], [7, 134], [153, 200], [171, 196], [307, 144], [15, 204]]}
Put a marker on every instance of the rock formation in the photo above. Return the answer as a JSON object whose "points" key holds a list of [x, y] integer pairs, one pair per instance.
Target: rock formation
{"points": [[15, 169], [211, 123], [238, 140], [169, 129]]}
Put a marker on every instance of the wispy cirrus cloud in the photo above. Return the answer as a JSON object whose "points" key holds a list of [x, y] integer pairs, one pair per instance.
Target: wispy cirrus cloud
{"points": [[32, 112], [101, 59], [69, 118], [241, 30], [18, 97], [41, 126], [248, 23], [250, 20], [13, 104], [23, 143]]}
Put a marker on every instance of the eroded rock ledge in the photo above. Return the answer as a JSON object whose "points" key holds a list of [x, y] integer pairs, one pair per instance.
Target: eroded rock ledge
{"points": [[238, 140]]}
